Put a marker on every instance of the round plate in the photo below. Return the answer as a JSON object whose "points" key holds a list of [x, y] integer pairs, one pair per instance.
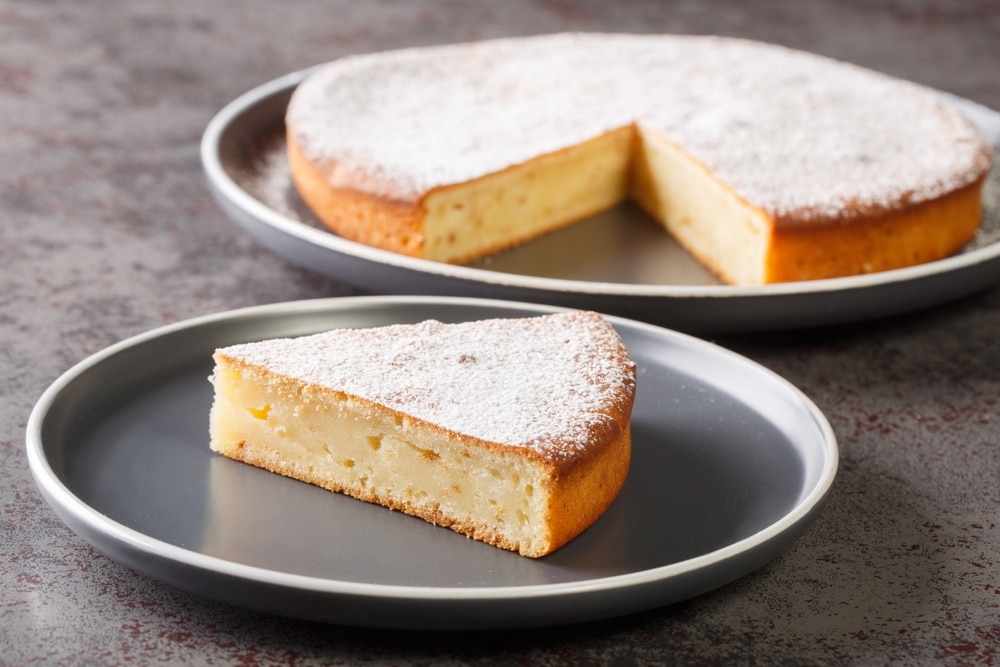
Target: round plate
{"points": [[618, 262], [730, 465]]}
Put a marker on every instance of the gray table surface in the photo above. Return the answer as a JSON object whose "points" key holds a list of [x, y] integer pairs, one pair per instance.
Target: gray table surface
{"points": [[107, 230]]}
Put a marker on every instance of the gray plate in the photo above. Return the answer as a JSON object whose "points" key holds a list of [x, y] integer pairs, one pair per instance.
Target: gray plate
{"points": [[730, 465], [621, 263]]}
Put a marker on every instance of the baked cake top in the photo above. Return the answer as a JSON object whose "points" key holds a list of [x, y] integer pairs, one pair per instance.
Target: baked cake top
{"points": [[552, 384], [796, 134]]}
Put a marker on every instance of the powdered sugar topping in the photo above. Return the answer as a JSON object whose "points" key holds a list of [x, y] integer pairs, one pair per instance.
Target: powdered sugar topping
{"points": [[543, 383], [793, 133]]}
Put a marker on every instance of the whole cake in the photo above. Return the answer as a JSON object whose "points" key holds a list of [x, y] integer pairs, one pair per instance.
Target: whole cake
{"points": [[512, 431], [767, 164]]}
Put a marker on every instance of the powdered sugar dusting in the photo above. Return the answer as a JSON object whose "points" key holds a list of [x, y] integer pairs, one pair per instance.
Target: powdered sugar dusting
{"points": [[795, 134], [541, 382]]}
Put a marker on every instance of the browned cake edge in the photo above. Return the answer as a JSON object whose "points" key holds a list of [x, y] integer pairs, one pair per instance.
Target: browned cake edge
{"points": [[383, 223], [883, 241]]}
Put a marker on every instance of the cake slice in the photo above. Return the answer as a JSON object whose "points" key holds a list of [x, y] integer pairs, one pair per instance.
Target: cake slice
{"points": [[514, 432]]}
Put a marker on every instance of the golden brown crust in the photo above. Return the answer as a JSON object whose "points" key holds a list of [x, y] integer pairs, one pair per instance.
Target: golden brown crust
{"points": [[917, 234], [396, 226], [586, 491]]}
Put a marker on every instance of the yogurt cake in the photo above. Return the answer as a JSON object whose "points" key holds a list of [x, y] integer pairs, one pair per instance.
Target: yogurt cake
{"points": [[514, 432], [767, 164]]}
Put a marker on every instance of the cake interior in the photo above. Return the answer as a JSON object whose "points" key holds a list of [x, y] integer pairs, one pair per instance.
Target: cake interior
{"points": [[554, 190], [382, 457]]}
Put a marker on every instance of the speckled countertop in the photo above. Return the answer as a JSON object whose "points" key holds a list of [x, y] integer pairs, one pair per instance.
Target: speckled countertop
{"points": [[107, 229]]}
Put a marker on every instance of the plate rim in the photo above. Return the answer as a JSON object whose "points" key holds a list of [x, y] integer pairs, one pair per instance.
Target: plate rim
{"points": [[218, 176], [62, 499]]}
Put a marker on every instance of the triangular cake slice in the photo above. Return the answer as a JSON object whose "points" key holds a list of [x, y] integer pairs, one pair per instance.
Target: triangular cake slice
{"points": [[512, 431]]}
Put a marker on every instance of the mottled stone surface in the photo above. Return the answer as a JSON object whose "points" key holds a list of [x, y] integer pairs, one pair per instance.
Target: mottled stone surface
{"points": [[107, 230]]}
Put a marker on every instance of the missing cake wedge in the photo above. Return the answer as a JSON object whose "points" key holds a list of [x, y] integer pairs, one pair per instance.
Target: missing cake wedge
{"points": [[515, 432]]}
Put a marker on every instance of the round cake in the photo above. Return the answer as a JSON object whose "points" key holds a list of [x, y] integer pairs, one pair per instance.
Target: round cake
{"points": [[767, 164]]}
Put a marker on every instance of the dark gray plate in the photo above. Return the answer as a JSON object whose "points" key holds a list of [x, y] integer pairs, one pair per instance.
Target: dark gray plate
{"points": [[618, 262], [730, 464]]}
